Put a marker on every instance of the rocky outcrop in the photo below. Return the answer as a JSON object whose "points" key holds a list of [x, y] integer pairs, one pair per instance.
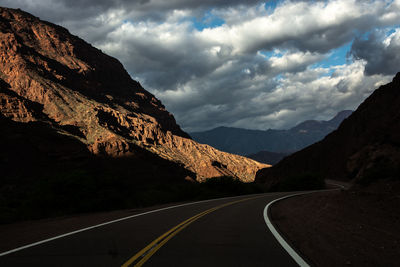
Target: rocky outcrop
{"points": [[364, 148], [51, 76], [17, 108]]}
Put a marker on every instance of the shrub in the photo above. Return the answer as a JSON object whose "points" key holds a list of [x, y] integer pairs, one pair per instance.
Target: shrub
{"points": [[305, 181]]}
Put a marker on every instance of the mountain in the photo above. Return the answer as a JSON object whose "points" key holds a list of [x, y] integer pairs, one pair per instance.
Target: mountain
{"points": [[365, 147], [245, 142], [267, 157], [73, 90]]}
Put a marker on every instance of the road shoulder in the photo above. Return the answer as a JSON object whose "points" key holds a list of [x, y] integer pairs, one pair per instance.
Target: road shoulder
{"points": [[343, 228]]}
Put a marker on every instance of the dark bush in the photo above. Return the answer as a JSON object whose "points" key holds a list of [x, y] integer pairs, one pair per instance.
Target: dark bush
{"points": [[383, 169], [305, 181], [78, 191]]}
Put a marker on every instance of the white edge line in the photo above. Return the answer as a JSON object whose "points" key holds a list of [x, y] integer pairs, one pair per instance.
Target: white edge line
{"points": [[296, 257], [110, 222], [338, 185]]}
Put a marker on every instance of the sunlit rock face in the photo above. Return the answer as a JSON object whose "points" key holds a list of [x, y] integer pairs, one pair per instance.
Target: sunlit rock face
{"points": [[51, 76]]}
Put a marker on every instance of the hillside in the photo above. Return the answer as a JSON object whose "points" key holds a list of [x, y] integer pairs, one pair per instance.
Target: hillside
{"points": [[365, 147], [267, 157], [50, 76], [245, 142]]}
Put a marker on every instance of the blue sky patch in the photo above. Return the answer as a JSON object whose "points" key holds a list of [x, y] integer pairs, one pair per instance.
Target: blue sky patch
{"points": [[269, 53], [271, 5], [209, 20], [336, 57]]}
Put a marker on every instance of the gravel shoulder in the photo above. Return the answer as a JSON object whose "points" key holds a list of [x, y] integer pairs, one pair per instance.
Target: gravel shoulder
{"points": [[358, 227]]}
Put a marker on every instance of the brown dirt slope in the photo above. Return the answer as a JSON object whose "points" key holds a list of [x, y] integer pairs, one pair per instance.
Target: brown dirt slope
{"points": [[364, 148], [344, 228], [51, 76]]}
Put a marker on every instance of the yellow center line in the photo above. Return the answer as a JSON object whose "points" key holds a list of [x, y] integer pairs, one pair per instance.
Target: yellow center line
{"points": [[143, 255]]}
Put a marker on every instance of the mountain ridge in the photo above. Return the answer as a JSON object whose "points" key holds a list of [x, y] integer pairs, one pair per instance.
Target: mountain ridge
{"points": [[267, 157], [246, 141], [89, 95]]}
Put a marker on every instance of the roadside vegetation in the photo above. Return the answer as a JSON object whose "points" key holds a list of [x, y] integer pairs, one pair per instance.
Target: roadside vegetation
{"points": [[39, 180], [80, 191], [305, 181], [382, 170]]}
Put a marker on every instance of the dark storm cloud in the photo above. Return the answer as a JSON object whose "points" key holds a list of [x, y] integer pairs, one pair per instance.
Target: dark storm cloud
{"points": [[64, 10], [381, 52], [257, 70]]}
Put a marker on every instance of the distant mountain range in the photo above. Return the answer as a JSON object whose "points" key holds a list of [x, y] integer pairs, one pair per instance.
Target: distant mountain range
{"points": [[245, 142], [365, 148], [267, 156]]}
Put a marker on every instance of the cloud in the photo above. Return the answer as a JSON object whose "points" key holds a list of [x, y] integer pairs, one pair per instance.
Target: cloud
{"points": [[315, 27], [156, 10], [381, 52], [259, 67], [268, 103]]}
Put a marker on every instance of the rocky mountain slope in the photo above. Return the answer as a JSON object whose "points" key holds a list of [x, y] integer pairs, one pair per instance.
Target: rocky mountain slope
{"points": [[267, 157], [48, 75], [245, 142], [364, 148]]}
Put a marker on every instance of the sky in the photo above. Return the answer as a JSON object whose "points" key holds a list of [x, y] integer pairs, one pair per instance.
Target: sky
{"points": [[249, 64]]}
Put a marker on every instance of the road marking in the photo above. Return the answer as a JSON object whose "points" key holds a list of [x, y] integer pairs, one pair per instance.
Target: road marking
{"points": [[143, 255], [297, 258], [106, 223], [341, 184], [278, 237]]}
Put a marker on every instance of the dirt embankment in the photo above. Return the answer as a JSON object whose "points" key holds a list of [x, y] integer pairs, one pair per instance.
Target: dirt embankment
{"points": [[359, 227]]}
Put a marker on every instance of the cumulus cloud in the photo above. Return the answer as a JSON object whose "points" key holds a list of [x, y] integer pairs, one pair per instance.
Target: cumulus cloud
{"points": [[381, 52], [316, 27], [252, 64], [268, 103]]}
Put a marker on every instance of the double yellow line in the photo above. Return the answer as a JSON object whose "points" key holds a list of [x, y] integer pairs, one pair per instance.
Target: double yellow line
{"points": [[142, 256]]}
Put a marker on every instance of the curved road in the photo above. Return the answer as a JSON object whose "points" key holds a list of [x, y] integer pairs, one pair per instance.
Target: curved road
{"points": [[220, 232]]}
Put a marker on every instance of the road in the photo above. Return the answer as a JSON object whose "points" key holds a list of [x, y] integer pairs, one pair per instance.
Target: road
{"points": [[222, 232]]}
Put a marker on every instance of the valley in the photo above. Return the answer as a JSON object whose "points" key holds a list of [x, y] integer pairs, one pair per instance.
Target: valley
{"points": [[96, 171]]}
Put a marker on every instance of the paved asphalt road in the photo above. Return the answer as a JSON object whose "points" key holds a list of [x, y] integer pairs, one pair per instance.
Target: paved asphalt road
{"points": [[232, 235]]}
